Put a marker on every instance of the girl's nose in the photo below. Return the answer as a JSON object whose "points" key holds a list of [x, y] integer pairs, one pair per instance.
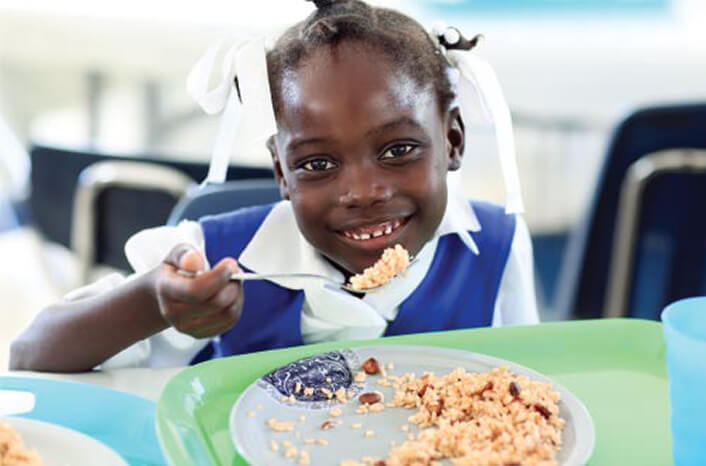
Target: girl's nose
{"points": [[363, 187]]}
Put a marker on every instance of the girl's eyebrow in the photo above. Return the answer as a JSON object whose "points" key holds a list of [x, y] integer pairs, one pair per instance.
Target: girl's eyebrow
{"points": [[404, 121], [400, 122], [295, 143]]}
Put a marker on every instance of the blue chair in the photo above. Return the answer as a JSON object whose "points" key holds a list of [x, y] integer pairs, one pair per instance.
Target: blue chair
{"points": [[659, 252], [123, 200], [219, 198], [115, 199], [666, 253], [54, 179]]}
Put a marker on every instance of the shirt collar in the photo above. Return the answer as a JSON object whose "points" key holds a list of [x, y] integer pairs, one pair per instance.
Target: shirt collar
{"points": [[294, 253]]}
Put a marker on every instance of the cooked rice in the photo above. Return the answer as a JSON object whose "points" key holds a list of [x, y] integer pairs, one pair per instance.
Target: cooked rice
{"points": [[476, 419], [393, 262], [12, 450], [280, 426]]}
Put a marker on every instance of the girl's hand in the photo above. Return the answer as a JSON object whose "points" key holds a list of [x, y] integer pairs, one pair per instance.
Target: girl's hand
{"points": [[203, 306]]}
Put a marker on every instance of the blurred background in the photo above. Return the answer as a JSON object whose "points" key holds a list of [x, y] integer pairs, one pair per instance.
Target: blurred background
{"points": [[88, 84]]}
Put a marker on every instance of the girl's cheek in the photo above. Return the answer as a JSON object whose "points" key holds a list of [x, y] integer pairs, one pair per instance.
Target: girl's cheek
{"points": [[305, 204], [300, 195]]}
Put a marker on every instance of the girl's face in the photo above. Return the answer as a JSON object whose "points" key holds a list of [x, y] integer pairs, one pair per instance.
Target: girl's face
{"points": [[362, 152]]}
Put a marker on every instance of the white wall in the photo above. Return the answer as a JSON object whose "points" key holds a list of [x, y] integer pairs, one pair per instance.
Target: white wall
{"points": [[587, 71]]}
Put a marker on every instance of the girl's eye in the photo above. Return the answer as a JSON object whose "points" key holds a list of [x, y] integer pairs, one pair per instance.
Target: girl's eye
{"points": [[398, 150], [318, 165]]}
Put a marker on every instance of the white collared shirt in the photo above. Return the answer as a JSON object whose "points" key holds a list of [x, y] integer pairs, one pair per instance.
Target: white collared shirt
{"points": [[327, 314]]}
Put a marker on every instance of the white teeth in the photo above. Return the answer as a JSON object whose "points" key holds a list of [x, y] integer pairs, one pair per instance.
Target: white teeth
{"points": [[385, 229]]}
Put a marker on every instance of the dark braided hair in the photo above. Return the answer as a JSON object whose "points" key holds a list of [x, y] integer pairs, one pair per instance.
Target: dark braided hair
{"points": [[398, 36]]}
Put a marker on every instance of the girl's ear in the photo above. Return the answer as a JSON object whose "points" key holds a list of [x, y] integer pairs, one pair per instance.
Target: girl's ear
{"points": [[455, 138], [277, 167]]}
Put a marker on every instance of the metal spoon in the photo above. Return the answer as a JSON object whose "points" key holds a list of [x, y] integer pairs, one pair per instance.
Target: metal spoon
{"points": [[265, 276]]}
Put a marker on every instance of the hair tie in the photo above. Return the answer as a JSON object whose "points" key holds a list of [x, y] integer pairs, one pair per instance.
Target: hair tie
{"points": [[475, 80], [451, 38]]}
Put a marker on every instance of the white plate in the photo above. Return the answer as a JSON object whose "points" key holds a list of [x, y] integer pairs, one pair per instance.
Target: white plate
{"points": [[251, 436], [59, 446]]}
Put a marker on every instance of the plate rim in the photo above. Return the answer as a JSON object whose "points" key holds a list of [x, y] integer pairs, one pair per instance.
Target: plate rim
{"points": [[100, 400], [581, 455], [10, 420]]}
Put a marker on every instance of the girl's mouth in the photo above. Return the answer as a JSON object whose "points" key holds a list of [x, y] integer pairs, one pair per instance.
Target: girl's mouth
{"points": [[375, 235], [373, 231]]}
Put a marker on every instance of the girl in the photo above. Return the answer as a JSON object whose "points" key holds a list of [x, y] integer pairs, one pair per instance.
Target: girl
{"points": [[368, 125]]}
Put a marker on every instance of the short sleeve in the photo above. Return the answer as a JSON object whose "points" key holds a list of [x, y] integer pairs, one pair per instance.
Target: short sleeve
{"points": [[145, 251]]}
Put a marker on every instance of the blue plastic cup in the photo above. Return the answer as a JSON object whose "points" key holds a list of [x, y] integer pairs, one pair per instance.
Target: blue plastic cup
{"points": [[685, 333]]}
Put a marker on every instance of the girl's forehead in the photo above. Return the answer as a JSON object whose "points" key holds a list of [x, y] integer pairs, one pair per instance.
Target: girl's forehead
{"points": [[350, 82]]}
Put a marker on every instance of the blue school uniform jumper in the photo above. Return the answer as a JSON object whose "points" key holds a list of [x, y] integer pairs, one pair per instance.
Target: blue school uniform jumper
{"points": [[458, 291]]}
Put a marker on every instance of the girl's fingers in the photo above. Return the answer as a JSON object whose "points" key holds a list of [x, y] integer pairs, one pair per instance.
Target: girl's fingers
{"points": [[197, 289], [178, 253], [225, 297], [216, 328], [192, 261], [202, 305], [208, 325], [226, 302], [231, 263]]}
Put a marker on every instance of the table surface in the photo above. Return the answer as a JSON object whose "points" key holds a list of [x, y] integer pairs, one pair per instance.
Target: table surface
{"points": [[147, 383], [616, 367]]}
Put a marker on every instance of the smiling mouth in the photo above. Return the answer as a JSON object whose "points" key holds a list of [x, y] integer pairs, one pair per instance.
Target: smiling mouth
{"points": [[374, 231]]}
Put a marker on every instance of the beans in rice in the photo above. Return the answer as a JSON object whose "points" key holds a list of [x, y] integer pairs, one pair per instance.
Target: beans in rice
{"points": [[491, 418]]}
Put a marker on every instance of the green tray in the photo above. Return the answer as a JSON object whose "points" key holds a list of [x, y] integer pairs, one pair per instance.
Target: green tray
{"points": [[615, 366]]}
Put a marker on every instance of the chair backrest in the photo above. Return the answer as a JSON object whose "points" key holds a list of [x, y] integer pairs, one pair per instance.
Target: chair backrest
{"points": [[583, 281], [659, 254], [115, 199], [54, 177], [220, 198]]}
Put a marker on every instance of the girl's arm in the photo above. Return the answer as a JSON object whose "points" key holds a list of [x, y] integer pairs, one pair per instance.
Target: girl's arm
{"points": [[74, 336]]}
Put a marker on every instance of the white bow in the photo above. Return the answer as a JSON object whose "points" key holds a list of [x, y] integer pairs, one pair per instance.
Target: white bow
{"points": [[477, 78], [248, 115]]}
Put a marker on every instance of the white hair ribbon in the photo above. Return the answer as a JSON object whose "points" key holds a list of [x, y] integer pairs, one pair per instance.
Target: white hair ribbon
{"points": [[248, 115], [477, 79], [458, 203]]}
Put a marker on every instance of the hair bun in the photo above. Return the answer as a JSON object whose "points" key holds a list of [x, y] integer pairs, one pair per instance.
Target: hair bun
{"points": [[322, 3]]}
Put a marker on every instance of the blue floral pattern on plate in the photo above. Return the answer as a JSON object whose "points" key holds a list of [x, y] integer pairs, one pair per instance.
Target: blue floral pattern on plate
{"points": [[324, 373]]}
